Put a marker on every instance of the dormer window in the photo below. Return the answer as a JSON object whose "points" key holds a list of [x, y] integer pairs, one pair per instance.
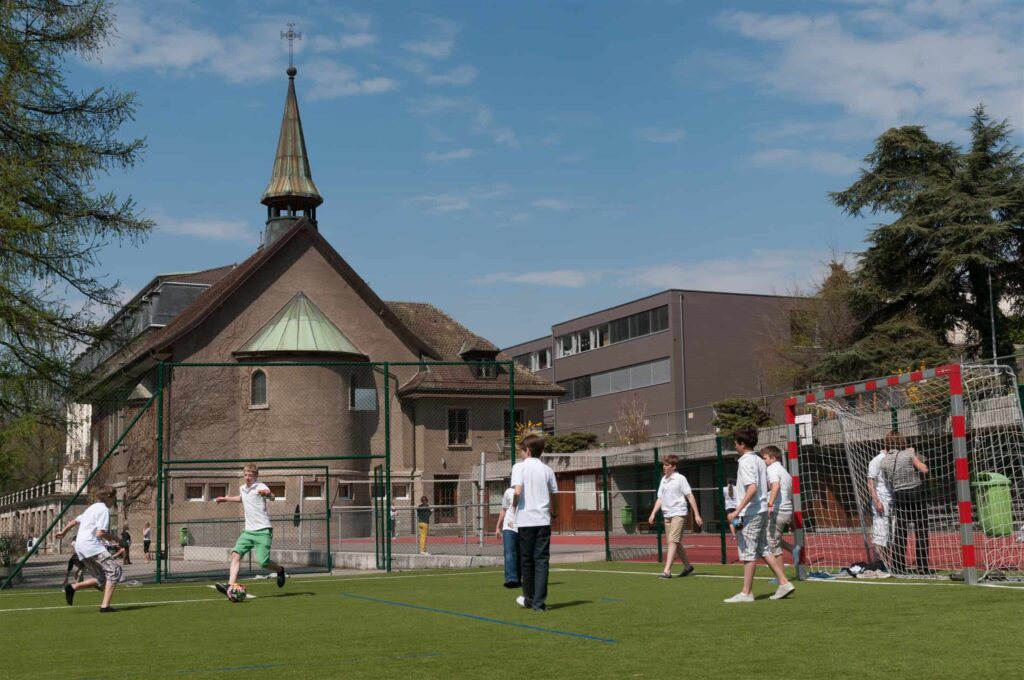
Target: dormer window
{"points": [[486, 369]]}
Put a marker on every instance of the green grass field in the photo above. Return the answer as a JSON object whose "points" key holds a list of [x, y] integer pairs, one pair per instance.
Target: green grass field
{"points": [[605, 621]]}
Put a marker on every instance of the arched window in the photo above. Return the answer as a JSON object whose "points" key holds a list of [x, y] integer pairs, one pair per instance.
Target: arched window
{"points": [[258, 388]]}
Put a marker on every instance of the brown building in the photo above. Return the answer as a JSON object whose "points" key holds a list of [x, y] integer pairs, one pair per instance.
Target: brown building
{"points": [[670, 355], [297, 300]]}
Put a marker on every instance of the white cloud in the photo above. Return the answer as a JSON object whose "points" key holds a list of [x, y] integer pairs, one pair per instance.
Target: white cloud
{"points": [[360, 23], [460, 75], [928, 63], [559, 278], [426, 106], [348, 41], [440, 41], [551, 140], [481, 118], [661, 135], [331, 80], [762, 272], [463, 199], [454, 155], [556, 204], [213, 228], [828, 162]]}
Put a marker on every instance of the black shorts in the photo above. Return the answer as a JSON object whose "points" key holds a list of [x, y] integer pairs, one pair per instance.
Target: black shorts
{"points": [[145, 546]]}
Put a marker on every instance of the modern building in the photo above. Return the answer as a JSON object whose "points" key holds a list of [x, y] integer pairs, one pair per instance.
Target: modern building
{"points": [[661, 359]]}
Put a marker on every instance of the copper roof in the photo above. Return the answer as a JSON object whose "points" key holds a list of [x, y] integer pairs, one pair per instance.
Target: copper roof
{"points": [[291, 177], [299, 328]]}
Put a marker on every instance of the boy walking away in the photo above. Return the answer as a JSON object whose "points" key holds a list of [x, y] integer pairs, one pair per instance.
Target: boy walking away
{"points": [[93, 526], [673, 495], [780, 503], [533, 482], [147, 537], [126, 541], [509, 535], [423, 522], [258, 533], [752, 509]]}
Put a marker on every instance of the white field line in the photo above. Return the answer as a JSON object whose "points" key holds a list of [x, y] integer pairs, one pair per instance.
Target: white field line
{"points": [[123, 604]]}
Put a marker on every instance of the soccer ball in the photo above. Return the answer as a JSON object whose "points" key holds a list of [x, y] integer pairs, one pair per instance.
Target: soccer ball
{"points": [[236, 592]]}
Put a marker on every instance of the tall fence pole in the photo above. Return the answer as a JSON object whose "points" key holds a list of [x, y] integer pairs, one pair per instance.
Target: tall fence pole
{"points": [[658, 526], [387, 467], [607, 510], [159, 465], [720, 499]]}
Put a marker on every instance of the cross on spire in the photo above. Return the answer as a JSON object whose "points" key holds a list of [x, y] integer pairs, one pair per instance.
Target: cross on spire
{"points": [[291, 35]]}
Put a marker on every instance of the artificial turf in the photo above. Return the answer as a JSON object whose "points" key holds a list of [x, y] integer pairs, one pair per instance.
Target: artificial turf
{"points": [[604, 621]]}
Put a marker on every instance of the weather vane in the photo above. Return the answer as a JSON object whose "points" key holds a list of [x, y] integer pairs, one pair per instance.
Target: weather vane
{"points": [[291, 36]]}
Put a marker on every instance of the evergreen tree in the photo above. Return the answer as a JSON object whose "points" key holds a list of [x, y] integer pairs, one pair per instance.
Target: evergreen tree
{"points": [[55, 143], [959, 218]]}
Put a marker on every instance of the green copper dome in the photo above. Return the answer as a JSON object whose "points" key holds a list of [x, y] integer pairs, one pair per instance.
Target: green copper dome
{"points": [[300, 327]]}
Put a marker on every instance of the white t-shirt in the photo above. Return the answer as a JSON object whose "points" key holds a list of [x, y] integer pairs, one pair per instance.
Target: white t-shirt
{"points": [[732, 499], [673, 491], [506, 503], [538, 482], [777, 473], [751, 470], [881, 485], [95, 517], [255, 506]]}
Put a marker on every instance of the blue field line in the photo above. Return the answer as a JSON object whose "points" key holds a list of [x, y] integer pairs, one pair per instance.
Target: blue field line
{"points": [[485, 619]]}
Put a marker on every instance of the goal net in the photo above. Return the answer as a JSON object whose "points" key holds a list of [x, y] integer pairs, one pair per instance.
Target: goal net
{"points": [[953, 506]]}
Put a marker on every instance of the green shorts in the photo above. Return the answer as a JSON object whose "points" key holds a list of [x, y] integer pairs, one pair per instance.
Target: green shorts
{"points": [[258, 541]]}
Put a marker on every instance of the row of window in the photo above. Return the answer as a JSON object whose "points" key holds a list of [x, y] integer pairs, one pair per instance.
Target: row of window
{"points": [[311, 491], [619, 380], [359, 398], [535, 361], [458, 425], [620, 330]]}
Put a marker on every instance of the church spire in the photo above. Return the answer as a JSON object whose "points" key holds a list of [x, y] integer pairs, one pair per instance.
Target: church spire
{"points": [[291, 193]]}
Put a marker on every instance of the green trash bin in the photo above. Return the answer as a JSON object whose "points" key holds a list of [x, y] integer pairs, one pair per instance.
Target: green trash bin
{"points": [[627, 515], [992, 498]]}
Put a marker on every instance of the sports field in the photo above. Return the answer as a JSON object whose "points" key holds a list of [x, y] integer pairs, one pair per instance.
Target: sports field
{"points": [[605, 620]]}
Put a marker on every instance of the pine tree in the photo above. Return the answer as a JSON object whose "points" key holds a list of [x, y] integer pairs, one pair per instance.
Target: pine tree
{"points": [[55, 143]]}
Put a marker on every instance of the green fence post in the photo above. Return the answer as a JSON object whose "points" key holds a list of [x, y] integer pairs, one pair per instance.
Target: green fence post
{"points": [[658, 526], [327, 504], [387, 467], [607, 510], [512, 410], [159, 463], [720, 502]]}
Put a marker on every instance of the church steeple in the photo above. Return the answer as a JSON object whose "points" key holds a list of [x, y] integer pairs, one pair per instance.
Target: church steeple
{"points": [[291, 193]]}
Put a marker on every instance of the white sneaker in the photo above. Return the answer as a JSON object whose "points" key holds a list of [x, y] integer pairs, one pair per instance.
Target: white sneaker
{"points": [[783, 591], [521, 601], [740, 597]]}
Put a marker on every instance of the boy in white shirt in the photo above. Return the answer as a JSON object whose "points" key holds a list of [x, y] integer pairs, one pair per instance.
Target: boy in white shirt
{"points": [[752, 508], [673, 494], [780, 503], [507, 532], [258, 533], [534, 483], [881, 501], [94, 528]]}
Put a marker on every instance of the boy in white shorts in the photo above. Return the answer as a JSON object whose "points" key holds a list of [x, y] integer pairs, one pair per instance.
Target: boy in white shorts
{"points": [[881, 501], [752, 509], [94, 528], [673, 494], [780, 503]]}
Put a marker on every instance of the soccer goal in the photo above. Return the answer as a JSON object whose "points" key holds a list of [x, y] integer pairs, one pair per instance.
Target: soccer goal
{"points": [[963, 516]]}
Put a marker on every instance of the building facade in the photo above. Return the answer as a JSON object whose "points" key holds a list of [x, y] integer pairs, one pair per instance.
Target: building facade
{"points": [[661, 360]]}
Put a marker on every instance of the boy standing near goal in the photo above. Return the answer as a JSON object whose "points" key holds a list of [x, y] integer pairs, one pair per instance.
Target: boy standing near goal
{"points": [[752, 509], [94, 528], [253, 495], [881, 501], [780, 503], [509, 535], [673, 494], [533, 482]]}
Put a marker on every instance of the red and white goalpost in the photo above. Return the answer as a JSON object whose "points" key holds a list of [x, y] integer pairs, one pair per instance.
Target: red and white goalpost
{"points": [[964, 422]]}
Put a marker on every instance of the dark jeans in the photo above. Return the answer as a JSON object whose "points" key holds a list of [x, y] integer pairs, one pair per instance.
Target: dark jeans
{"points": [[905, 514], [535, 549], [510, 541]]}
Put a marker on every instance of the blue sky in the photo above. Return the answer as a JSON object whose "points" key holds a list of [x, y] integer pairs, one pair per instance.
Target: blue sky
{"points": [[518, 164]]}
